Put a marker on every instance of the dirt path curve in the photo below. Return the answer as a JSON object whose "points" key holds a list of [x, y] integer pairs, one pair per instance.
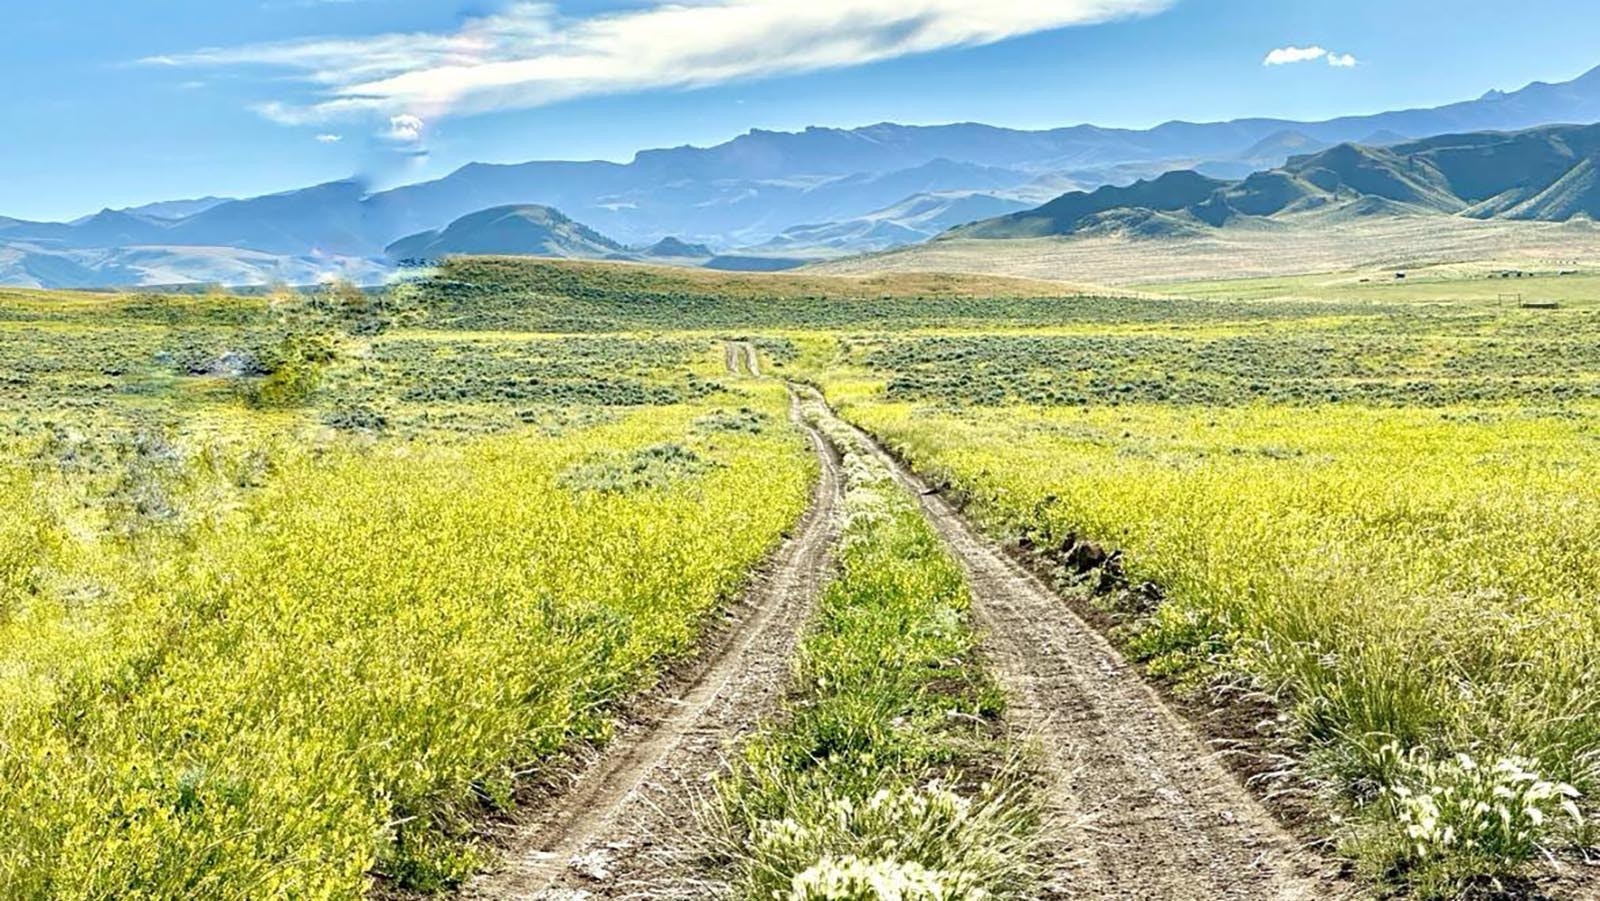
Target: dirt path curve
{"points": [[625, 827], [1145, 809]]}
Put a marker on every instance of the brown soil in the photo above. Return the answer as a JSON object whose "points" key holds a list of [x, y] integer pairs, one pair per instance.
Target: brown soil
{"points": [[1240, 725]]}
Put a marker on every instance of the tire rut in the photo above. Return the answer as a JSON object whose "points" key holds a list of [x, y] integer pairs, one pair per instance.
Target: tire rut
{"points": [[626, 825], [1139, 806], [741, 358]]}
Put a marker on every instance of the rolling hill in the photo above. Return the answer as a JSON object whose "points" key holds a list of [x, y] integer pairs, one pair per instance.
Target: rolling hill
{"points": [[177, 209], [525, 230], [671, 248], [25, 266]]}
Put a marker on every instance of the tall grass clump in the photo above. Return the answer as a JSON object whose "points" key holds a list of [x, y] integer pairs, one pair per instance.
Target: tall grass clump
{"points": [[30, 533], [1455, 825], [889, 775]]}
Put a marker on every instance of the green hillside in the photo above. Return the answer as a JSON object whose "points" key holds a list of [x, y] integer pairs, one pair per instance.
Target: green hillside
{"points": [[1545, 174], [526, 230], [1172, 192]]}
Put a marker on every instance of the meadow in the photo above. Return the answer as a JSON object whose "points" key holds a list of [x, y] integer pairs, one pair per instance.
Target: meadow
{"points": [[1369, 507], [1488, 285], [296, 589], [1384, 525], [290, 599]]}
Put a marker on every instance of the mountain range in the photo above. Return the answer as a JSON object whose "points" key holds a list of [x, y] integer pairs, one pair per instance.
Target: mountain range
{"points": [[1545, 174], [814, 193]]}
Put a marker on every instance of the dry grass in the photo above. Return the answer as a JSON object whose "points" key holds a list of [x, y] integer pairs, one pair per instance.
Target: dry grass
{"points": [[1476, 284], [808, 283], [1308, 245]]}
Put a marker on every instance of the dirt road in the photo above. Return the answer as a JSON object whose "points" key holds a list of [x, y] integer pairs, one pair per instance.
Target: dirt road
{"points": [[742, 358], [1140, 807], [1144, 808], [625, 826]]}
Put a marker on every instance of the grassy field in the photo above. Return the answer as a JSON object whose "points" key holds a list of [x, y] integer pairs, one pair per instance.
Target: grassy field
{"points": [[290, 596], [1479, 285], [295, 589], [1304, 244], [1383, 522], [1371, 506]]}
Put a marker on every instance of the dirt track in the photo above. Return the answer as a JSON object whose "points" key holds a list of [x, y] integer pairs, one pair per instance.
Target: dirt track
{"points": [[1139, 806], [625, 826], [1144, 808], [742, 358]]}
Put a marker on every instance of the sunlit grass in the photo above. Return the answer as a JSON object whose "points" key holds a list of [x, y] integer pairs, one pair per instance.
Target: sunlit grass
{"points": [[327, 681], [1426, 579], [289, 643]]}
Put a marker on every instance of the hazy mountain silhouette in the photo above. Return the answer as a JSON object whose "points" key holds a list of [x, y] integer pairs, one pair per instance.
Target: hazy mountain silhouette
{"points": [[915, 219], [176, 209]]}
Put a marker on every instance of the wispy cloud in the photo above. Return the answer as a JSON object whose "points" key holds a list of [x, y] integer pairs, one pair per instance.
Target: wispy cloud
{"points": [[1286, 56], [530, 55], [329, 138]]}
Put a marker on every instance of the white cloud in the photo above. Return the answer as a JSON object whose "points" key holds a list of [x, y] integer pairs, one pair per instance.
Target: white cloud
{"points": [[529, 55], [329, 139], [1284, 56], [404, 129]]}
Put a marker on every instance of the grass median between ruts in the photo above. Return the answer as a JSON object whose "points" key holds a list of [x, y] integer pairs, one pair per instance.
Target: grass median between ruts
{"points": [[889, 775]]}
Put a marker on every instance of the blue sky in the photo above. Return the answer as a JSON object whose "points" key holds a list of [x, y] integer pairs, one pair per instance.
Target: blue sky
{"points": [[115, 103]]}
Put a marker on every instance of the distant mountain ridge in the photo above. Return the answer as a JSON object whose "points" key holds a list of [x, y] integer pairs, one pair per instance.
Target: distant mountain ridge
{"points": [[915, 219], [1546, 174], [176, 209], [756, 189]]}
